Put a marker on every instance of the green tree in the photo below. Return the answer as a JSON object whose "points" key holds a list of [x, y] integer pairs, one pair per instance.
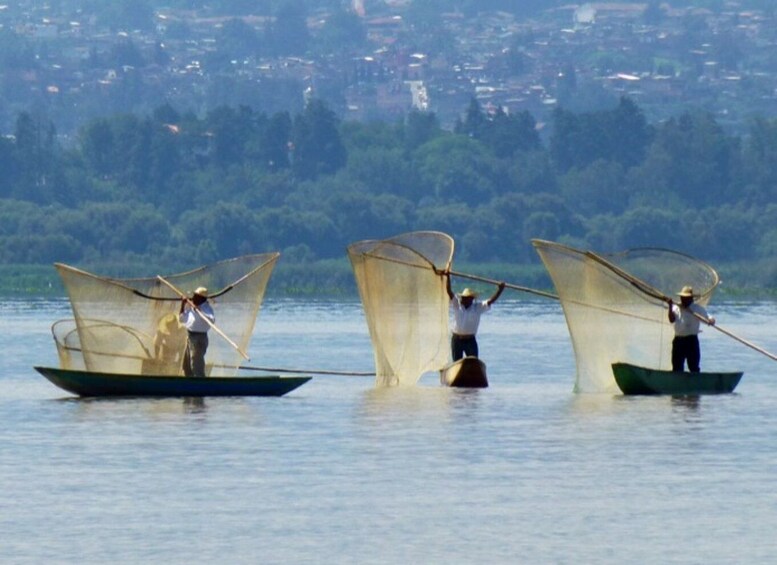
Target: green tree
{"points": [[474, 121], [532, 172], [650, 227], [628, 134], [702, 159], [759, 170], [276, 141], [229, 227], [10, 167], [419, 128], [457, 168], [317, 146], [597, 189], [386, 171], [230, 130], [508, 134], [36, 156], [620, 135]]}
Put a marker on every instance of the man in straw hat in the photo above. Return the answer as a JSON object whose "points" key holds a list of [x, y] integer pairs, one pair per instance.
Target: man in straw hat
{"points": [[686, 318], [466, 318], [194, 315]]}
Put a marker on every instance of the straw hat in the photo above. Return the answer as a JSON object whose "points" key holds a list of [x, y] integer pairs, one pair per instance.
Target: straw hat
{"points": [[167, 323], [468, 293], [687, 292], [201, 291]]}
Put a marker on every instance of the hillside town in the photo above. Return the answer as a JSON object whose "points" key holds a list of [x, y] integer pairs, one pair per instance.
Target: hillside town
{"points": [[70, 66]]}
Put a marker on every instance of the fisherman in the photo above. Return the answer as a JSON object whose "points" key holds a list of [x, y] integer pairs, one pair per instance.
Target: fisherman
{"points": [[466, 318], [686, 318], [168, 340], [194, 315]]}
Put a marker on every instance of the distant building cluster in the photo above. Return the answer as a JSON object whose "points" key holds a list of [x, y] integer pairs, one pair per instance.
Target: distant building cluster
{"points": [[580, 57]]}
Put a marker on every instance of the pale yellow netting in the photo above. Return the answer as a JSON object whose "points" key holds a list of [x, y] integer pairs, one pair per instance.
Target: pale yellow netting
{"points": [[131, 326], [610, 318], [405, 303]]}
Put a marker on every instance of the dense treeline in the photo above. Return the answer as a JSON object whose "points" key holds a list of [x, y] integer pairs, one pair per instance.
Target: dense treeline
{"points": [[170, 186]]}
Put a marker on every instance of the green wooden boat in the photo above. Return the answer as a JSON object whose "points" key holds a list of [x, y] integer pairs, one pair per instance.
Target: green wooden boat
{"points": [[85, 383], [632, 379]]}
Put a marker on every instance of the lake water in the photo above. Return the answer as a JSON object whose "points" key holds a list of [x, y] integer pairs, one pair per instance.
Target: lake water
{"points": [[525, 471]]}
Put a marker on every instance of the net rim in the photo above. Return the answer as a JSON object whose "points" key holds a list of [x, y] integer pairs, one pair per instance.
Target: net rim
{"points": [[395, 240], [537, 243], [124, 283]]}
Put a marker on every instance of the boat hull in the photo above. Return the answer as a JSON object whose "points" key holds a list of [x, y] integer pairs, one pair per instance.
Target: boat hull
{"points": [[633, 380], [467, 372], [85, 383]]}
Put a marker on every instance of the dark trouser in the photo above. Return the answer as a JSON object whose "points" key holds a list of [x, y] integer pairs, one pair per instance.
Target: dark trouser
{"points": [[463, 345], [686, 348], [194, 356]]}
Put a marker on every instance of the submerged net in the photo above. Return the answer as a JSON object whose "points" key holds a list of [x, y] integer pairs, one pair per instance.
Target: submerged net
{"points": [[131, 326], [405, 303], [614, 305]]}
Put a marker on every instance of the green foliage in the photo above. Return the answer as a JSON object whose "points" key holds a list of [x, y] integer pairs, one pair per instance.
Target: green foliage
{"points": [[317, 147], [620, 135], [504, 134], [172, 188], [457, 168]]}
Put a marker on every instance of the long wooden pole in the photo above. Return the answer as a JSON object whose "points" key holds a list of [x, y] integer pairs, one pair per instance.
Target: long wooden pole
{"points": [[211, 324], [655, 293], [507, 285], [302, 371], [466, 276], [743, 341]]}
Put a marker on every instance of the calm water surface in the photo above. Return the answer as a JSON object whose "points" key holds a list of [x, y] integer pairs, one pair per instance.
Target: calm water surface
{"points": [[339, 472]]}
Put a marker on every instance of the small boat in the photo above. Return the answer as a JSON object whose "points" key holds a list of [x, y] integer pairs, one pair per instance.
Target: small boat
{"points": [[467, 372], [86, 383], [632, 379]]}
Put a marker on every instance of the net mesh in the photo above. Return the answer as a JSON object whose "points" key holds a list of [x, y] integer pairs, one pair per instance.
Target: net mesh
{"points": [[405, 303], [613, 305], [130, 326]]}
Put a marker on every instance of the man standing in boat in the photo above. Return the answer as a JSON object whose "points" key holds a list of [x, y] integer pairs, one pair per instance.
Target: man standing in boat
{"points": [[686, 318], [466, 318], [195, 315]]}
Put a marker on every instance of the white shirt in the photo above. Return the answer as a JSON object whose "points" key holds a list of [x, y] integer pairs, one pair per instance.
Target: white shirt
{"points": [[193, 320], [685, 323], [466, 320]]}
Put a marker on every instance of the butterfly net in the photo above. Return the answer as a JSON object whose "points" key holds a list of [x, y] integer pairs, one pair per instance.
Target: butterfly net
{"points": [[405, 303], [614, 305], [130, 326]]}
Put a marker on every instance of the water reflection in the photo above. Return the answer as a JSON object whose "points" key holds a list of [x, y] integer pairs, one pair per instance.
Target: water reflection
{"points": [[95, 408], [689, 402], [525, 455], [423, 403], [194, 405]]}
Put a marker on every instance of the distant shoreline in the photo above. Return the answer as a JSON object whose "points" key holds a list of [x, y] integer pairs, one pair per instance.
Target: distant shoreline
{"points": [[333, 278]]}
